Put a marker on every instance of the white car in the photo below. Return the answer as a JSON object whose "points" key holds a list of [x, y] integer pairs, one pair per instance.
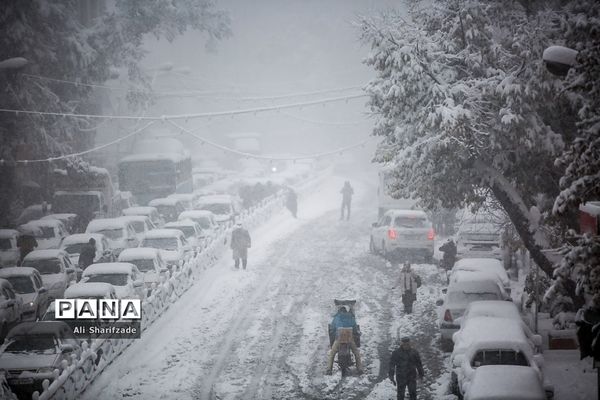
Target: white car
{"points": [[505, 382], [168, 208], [171, 243], [28, 286], [478, 239], [73, 245], [68, 219], [91, 290], [483, 265], [55, 267], [125, 277], [47, 232], [150, 212], [142, 224], [458, 295], [149, 262], [9, 252], [10, 307], [118, 231], [403, 233], [186, 199], [204, 218], [223, 206], [191, 230]]}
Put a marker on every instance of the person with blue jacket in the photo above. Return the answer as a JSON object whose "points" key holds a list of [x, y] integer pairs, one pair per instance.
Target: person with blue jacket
{"points": [[343, 319]]}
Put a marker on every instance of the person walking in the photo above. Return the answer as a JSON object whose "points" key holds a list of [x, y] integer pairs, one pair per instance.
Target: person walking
{"points": [[291, 202], [26, 243], [240, 243], [87, 255], [347, 193], [408, 282], [405, 364]]}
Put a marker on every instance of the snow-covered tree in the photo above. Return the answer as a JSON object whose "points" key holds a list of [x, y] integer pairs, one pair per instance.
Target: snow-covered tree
{"points": [[51, 35], [461, 99]]}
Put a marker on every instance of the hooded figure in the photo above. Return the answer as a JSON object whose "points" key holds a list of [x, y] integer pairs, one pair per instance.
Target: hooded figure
{"points": [[408, 282], [240, 243]]}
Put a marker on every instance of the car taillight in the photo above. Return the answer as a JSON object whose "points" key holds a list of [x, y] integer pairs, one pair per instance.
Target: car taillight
{"points": [[392, 234], [448, 316], [431, 234]]}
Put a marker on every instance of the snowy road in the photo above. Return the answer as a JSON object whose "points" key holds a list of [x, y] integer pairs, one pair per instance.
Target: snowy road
{"points": [[262, 333]]}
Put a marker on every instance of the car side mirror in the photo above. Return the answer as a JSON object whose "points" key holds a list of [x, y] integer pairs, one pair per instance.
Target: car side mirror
{"points": [[138, 283], [42, 290], [439, 303], [67, 348], [70, 270]]}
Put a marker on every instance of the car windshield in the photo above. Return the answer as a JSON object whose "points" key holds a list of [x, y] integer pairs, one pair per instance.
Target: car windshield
{"points": [[410, 222], [45, 344], [463, 297], [138, 226], [112, 234], [75, 248], [188, 231], [44, 267], [161, 243], [113, 279], [143, 265], [21, 284], [217, 208], [204, 222], [499, 357], [5, 244], [45, 232]]}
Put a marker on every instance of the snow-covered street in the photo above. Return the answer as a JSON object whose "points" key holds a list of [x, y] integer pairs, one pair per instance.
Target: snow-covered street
{"points": [[262, 333]]}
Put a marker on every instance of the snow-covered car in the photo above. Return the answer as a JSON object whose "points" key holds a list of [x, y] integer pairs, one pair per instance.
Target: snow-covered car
{"points": [[31, 353], [55, 268], [204, 218], [73, 245], [171, 243], [150, 212], [403, 233], [10, 307], [186, 199], [28, 286], [9, 252], [496, 343], [505, 382], [47, 232], [118, 231], [191, 230], [141, 223], [168, 208], [125, 277], [483, 265], [6, 392], [225, 207], [90, 290], [458, 295], [149, 262], [478, 239], [69, 220]]}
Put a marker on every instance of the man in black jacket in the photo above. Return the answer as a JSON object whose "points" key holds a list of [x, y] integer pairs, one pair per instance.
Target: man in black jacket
{"points": [[87, 255], [404, 366]]}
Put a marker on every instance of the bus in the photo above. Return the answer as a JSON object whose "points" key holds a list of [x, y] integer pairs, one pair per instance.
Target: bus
{"points": [[157, 169]]}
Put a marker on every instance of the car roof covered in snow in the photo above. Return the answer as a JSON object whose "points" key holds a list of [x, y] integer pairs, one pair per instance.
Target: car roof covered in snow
{"points": [[59, 216], [43, 223], [215, 198], [56, 328], [191, 214], [100, 224], [471, 284], [8, 233], [140, 210], [406, 213], [468, 263], [490, 330], [109, 268], [89, 289], [493, 308], [505, 382], [182, 196], [163, 233], [490, 275], [16, 271], [138, 253], [164, 201], [136, 218], [45, 254], [81, 238], [174, 157], [180, 223]]}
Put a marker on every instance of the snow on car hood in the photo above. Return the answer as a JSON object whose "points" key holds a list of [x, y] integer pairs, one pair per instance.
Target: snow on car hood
{"points": [[171, 256], [44, 244], [27, 360], [50, 279]]}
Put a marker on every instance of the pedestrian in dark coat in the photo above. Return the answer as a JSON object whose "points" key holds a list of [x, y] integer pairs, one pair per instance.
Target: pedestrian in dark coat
{"points": [[26, 244], [405, 364], [347, 193], [449, 258], [291, 202], [240, 243], [87, 255]]}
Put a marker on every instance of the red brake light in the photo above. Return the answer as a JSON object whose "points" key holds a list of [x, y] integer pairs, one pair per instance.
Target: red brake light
{"points": [[431, 234], [448, 316], [392, 234]]}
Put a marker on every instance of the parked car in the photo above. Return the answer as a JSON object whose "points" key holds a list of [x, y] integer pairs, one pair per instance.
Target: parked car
{"points": [[9, 252], [171, 243], [142, 224], [150, 212], [28, 286], [403, 233], [31, 353], [484, 265], [204, 218], [118, 231], [47, 232], [73, 245], [505, 382], [186, 199], [168, 208], [10, 307], [55, 268], [458, 295], [190, 229], [69, 220], [89, 290], [125, 277], [478, 239], [225, 207], [149, 262]]}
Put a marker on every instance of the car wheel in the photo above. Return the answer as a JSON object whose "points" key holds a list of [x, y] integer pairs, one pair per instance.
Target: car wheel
{"points": [[454, 385], [372, 248]]}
